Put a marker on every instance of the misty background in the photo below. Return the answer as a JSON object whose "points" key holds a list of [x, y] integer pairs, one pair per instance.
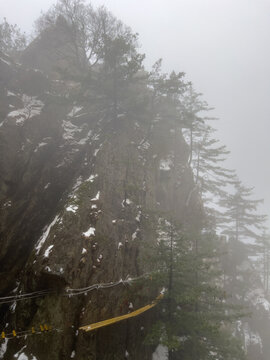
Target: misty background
{"points": [[222, 46]]}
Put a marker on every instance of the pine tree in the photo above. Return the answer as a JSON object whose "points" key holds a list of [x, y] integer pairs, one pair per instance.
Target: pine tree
{"points": [[263, 250], [194, 320], [241, 221], [12, 40], [208, 156]]}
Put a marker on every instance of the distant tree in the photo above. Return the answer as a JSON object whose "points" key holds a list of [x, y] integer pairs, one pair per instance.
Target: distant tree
{"points": [[195, 319], [263, 250], [193, 110], [121, 63], [93, 32], [166, 92], [12, 40], [240, 218], [211, 177]]}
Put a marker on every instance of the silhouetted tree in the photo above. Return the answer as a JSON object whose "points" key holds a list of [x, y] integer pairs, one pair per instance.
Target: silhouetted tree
{"points": [[12, 40]]}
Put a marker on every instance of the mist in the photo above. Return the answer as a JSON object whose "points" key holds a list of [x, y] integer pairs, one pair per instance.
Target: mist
{"points": [[112, 176], [223, 48]]}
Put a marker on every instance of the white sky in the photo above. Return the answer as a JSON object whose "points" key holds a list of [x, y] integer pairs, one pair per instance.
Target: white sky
{"points": [[224, 48]]}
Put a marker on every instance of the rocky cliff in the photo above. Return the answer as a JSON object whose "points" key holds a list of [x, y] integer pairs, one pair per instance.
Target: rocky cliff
{"points": [[81, 193]]}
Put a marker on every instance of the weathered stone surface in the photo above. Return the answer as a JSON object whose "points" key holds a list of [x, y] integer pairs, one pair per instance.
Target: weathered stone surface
{"points": [[80, 197]]}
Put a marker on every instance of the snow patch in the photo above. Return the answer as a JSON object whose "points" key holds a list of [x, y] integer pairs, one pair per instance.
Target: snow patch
{"points": [[251, 338], [130, 306], [72, 208], [96, 197], [40, 145], [161, 353], [92, 178], [84, 251], [19, 353], [138, 217], [48, 251], [165, 164], [74, 111], [13, 307], [32, 107], [72, 354], [45, 234], [69, 130], [134, 235], [83, 141], [89, 232], [126, 202], [3, 348], [10, 93], [47, 185], [256, 297]]}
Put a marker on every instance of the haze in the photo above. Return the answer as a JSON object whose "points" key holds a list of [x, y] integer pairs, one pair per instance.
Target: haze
{"points": [[222, 45]]}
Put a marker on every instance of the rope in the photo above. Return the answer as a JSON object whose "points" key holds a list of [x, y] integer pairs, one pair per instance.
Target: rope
{"points": [[45, 328], [69, 292], [116, 319]]}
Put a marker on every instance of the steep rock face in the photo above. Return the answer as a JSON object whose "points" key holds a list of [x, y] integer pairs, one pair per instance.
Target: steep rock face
{"points": [[81, 196]]}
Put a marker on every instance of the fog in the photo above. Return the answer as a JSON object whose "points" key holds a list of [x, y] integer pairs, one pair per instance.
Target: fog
{"points": [[222, 46]]}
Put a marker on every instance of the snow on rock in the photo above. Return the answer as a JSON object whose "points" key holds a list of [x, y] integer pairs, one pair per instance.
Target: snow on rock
{"points": [[89, 232], [251, 338], [126, 202], [45, 234], [144, 145], [70, 130], [20, 354], [23, 357], [138, 217], [10, 93], [72, 208], [96, 197], [47, 185], [77, 183], [130, 306], [7, 203], [47, 268], [13, 307], [48, 251], [256, 297], [40, 145], [74, 111], [32, 107], [165, 164], [161, 353], [3, 348], [134, 235], [120, 245], [83, 141], [92, 178]]}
